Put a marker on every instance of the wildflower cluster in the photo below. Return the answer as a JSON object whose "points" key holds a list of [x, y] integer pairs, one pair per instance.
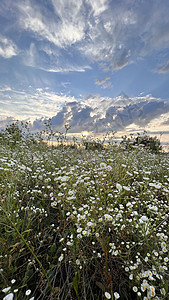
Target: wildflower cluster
{"points": [[83, 224]]}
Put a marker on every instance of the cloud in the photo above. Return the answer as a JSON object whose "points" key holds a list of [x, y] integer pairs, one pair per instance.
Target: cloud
{"points": [[6, 121], [7, 48], [126, 32], [102, 81], [108, 39], [30, 104], [5, 89], [110, 114], [98, 6], [63, 28], [122, 60], [106, 85], [31, 56], [166, 122], [94, 112], [67, 69], [112, 33], [164, 69], [54, 64], [76, 24]]}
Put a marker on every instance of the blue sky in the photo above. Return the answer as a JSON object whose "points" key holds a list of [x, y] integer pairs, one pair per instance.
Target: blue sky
{"points": [[53, 51]]}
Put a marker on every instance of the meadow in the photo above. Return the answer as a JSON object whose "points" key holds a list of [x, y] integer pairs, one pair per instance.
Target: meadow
{"points": [[81, 221]]}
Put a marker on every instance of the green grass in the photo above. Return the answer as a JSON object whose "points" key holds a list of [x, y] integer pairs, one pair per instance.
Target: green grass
{"points": [[81, 223]]}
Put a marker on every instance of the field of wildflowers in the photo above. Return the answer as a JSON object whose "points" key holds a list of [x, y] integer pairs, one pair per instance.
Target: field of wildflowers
{"points": [[82, 223]]}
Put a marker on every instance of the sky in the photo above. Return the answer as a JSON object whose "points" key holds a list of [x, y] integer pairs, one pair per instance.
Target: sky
{"points": [[54, 52]]}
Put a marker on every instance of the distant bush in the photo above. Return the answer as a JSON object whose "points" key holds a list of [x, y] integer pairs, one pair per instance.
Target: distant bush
{"points": [[93, 145], [143, 140]]}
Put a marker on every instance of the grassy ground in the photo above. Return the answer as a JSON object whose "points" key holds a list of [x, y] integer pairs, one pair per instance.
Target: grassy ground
{"points": [[78, 223]]}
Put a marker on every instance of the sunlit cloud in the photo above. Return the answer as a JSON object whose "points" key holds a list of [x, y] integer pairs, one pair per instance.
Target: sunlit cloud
{"points": [[92, 113], [137, 113], [7, 47], [67, 69], [37, 103]]}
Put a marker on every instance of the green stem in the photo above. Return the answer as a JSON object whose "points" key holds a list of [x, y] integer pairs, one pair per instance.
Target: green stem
{"points": [[33, 254]]}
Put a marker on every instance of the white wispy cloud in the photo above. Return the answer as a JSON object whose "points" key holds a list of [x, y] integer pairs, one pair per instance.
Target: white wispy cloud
{"points": [[111, 33], [55, 64], [30, 104], [98, 6], [7, 47], [67, 69], [107, 84], [102, 81], [127, 31], [30, 56], [77, 23], [63, 28], [5, 89], [107, 38]]}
